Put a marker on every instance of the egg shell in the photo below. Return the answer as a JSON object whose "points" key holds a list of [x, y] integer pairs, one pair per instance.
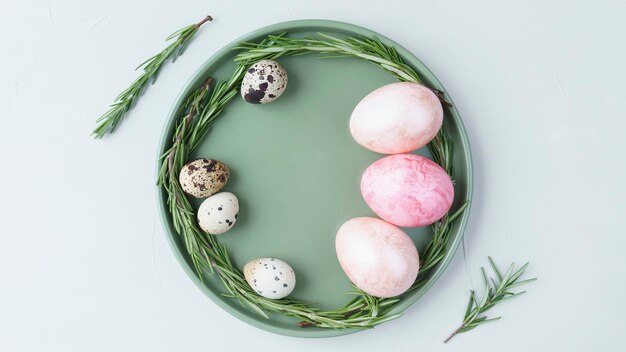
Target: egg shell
{"points": [[203, 177], [218, 213], [377, 257], [270, 277], [396, 118], [407, 190], [264, 82]]}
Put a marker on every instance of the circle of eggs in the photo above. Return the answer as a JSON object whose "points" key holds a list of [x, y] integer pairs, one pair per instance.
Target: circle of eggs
{"points": [[396, 118], [407, 190], [264, 82], [377, 257], [218, 213], [203, 177], [270, 277]]}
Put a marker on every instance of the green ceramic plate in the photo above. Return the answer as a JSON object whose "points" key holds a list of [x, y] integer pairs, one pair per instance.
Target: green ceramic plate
{"points": [[296, 171]]}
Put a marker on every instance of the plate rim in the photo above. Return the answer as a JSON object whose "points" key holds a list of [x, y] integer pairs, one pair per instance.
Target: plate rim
{"points": [[286, 26]]}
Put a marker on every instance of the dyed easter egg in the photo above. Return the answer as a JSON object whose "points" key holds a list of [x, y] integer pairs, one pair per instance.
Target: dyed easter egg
{"points": [[407, 190], [377, 257], [396, 118]]}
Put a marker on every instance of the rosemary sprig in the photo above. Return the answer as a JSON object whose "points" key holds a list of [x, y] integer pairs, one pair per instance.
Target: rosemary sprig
{"points": [[497, 290], [208, 255], [151, 67], [370, 49]]}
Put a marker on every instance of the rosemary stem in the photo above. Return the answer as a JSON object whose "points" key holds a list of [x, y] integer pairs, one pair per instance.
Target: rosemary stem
{"points": [[454, 333], [204, 20]]}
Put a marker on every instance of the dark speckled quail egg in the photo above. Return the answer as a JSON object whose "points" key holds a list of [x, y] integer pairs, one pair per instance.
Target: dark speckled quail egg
{"points": [[264, 82], [203, 177], [218, 213], [270, 277]]}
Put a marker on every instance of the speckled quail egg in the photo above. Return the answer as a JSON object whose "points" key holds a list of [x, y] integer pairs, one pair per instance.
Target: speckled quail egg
{"points": [[270, 277], [218, 213], [203, 177], [264, 82]]}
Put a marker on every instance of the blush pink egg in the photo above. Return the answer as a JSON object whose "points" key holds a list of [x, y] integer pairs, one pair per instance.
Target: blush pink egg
{"points": [[397, 118], [407, 190], [378, 257]]}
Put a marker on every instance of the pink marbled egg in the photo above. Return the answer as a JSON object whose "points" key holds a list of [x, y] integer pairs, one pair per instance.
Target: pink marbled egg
{"points": [[397, 118], [407, 190], [378, 257]]}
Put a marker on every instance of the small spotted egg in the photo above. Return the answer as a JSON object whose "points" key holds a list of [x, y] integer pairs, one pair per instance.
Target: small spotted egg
{"points": [[264, 82], [218, 213], [203, 177], [270, 277]]}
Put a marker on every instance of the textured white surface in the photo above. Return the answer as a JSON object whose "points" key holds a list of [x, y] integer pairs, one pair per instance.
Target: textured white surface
{"points": [[540, 85]]}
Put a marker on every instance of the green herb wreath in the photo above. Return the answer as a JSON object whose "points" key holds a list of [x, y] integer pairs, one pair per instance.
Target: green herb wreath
{"points": [[199, 111]]}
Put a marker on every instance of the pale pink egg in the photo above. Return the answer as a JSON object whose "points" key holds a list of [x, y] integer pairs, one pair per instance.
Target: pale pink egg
{"points": [[378, 257], [407, 190], [397, 118]]}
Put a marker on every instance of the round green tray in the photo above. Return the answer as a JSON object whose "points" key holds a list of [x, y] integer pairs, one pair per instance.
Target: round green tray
{"points": [[296, 171]]}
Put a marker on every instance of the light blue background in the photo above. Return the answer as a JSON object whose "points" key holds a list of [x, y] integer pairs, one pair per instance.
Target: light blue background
{"points": [[540, 85]]}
